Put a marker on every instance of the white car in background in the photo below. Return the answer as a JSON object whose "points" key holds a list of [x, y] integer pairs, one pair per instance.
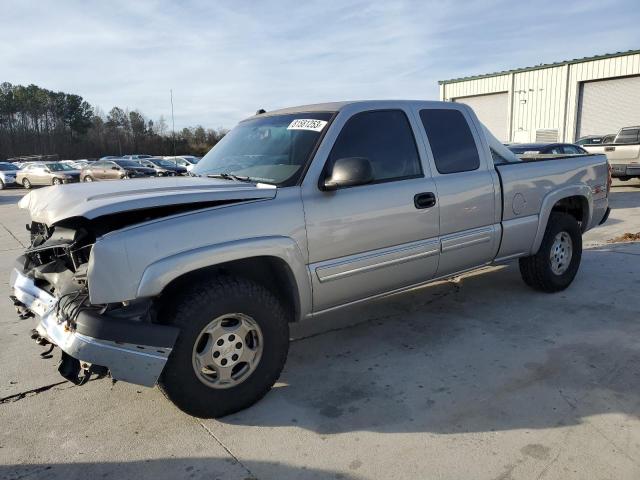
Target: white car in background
{"points": [[7, 174], [187, 161], [75, 164]]}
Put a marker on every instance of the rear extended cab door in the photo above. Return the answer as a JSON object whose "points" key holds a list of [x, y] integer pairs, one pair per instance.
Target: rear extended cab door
{"points": [[467, 185], [371, 239]]}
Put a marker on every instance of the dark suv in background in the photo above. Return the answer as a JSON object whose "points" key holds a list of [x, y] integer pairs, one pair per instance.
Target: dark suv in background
{"points": [[162, 167]]}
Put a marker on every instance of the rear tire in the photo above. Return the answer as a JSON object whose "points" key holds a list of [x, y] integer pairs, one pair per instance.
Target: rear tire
{"points": [[87, 178], [556, 264], [26, 183], [56, 181], [183, 381], [2, 185]]}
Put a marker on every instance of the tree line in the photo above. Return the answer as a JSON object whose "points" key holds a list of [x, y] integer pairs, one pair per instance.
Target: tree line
{"points": [[37, 121]]}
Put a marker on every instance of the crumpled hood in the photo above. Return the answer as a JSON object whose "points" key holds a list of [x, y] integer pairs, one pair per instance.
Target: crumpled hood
{"points": [[90, 200]]}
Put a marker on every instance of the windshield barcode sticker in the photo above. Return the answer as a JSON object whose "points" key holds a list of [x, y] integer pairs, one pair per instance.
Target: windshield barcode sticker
{"points": [[307, 124]]}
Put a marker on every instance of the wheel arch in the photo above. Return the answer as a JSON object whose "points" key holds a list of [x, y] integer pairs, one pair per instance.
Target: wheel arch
{"points": [[575, 200], [275, 262]]}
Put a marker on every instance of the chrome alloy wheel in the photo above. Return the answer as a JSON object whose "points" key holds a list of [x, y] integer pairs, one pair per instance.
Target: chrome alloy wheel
{"points": [[227, 351], [561, 253]]}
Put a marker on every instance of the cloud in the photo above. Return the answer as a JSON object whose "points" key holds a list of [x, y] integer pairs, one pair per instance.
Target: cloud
{"points": [[224, 60]]}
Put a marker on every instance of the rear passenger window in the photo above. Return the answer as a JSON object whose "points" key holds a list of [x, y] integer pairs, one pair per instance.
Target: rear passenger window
{"points": [[452, 144], [385, 138], [628, 136], [570, 149]]}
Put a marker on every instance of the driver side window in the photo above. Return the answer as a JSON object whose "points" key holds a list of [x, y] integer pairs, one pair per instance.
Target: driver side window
{"points": [[385, 138]]}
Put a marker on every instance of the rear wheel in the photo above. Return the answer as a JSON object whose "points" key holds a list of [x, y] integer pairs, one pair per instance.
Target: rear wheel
{"points": [[556, 264], [56, 181], [233, 343], [26, 183], [2, 185], [88, 178]]}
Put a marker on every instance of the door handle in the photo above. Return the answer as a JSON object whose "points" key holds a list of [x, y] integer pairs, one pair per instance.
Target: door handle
{"points": [[609, 149], [424, 200]]}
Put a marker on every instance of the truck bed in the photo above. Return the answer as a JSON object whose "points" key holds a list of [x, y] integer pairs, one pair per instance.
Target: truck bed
{"points": [[528, 187]]}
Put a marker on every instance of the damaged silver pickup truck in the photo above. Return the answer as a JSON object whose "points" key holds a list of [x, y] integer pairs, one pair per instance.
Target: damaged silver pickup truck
{"points": [[190, 283]]}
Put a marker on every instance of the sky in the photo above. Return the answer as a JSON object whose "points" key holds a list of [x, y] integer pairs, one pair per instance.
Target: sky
{"points": [[226, 59]]}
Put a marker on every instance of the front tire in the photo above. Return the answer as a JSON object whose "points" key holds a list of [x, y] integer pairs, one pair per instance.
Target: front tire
{"points": [[26, 183], [556, 264], [56, 181], [2, 185], [205, 375], [87, 178]]}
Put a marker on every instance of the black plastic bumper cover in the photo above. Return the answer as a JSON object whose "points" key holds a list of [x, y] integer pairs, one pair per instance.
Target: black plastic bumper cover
{"points": [[114, 329]]}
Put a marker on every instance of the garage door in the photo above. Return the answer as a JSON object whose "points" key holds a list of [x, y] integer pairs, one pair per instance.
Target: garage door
{"points": [[492, 110], [605, 106]]}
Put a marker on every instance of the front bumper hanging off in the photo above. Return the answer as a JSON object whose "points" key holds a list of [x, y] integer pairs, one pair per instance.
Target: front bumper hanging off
{"points": [[132, 351]]}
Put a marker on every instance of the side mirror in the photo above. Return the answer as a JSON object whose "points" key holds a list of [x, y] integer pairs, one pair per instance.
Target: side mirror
{"points": [[348, 172], [115, 168]]}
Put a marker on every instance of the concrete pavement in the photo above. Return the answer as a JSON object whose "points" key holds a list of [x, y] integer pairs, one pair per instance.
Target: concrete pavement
{"points": [[477, 377]]}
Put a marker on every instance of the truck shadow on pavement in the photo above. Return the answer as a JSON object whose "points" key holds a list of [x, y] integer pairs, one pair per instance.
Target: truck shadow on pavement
{"points": [[166, 468], [481, 354]]}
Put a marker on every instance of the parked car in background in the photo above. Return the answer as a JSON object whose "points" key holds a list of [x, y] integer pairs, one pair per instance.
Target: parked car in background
{"points": [[49, 173], [163, 168], [77, 164], [623, 153], [596, 139], [110, 157], [136, 157], [546, 149], [7, 174], [114, 170], [192, 283], [186, 161]]}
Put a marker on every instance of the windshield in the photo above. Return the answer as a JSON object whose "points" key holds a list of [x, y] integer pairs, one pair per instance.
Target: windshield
{"points": [[58, 167], [269, 149], [7, 167], [127, 163]]}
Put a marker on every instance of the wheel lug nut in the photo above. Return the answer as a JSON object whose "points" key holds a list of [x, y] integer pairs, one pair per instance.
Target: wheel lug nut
{"points": [[234, 358], [239, 345], [232, 338], [223, 361], [220, 342], [216, 354]]}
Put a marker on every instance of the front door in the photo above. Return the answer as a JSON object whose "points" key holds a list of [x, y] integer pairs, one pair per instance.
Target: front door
{"points": [[370, 239]]}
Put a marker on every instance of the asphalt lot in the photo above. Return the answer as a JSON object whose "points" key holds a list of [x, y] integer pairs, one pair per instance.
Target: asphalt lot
{"points": [[478, 377]]}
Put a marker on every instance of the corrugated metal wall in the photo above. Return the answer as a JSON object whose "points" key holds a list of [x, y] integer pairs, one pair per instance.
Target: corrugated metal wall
{"points": [[545, 98]]}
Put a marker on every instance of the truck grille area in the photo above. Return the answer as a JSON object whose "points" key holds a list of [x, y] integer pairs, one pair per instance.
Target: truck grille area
{"points": [[57, 261]]}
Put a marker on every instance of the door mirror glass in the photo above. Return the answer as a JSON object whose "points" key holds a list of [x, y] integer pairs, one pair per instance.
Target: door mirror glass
{"points": [[348, 172]]}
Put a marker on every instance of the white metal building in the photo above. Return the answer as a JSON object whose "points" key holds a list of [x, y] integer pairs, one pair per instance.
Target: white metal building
{"points": [[555, 102]]}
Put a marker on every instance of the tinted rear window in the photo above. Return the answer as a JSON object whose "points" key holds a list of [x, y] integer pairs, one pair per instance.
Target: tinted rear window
{"points": [[628, 136], [452, 144]]}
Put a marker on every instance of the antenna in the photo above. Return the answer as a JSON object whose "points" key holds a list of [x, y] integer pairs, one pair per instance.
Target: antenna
{"points": [[173, 124]]}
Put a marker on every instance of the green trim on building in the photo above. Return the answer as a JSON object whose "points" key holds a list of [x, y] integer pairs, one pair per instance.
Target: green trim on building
{"points": [[540, 67]]}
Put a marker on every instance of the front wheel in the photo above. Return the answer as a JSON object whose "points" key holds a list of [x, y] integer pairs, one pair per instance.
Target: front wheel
{"points": [[88, 178], [56, 181], [556, 264], [233, 343], [1, 185], [26, 183]]}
